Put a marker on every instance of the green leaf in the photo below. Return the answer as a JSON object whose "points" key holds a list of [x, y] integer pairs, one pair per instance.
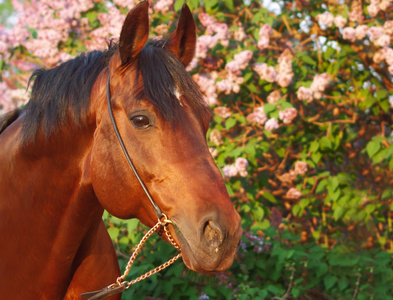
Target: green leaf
{"points": [[372, 148], [325, 143], [178, 4], [343, 283], [269, 107], [258, 213], [229, 123], [209, 4], [229, 4], [307, 59], [193, 4], [329, 281], [113, 232], [338, 212], [268, 196]]}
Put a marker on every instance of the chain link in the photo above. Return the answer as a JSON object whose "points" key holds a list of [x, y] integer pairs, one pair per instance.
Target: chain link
{"points": [[120, 281]]}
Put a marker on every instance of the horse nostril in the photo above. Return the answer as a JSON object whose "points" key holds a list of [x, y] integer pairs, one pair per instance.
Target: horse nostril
{"points": [[212, 236]]}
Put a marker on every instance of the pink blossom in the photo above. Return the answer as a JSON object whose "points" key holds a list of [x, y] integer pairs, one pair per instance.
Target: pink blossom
{"points": [[24, 66], [258, 116], [320, 82], [163, 5], [305, 94], [206, 19], [273, 97], [356, 15], [206, 82], [340, 21], [213, 151], [271, 124], [229, 171], [384, 4], [325, 19], [379, 56], [232, 66], [205, 42], [388, 55], [287, 115], [373, 10], [124, 3], [225, 86], [361, 32], [293, 193], [240, 34], [263, 42], [301, 168], [375, 33], [383, 41], [264, 36], [243, 58], [388, 27], [266, 29], [349, 34], [241, 165], [216, 137], [221, 30], [284, 80], [223, 112], [265, 72]]}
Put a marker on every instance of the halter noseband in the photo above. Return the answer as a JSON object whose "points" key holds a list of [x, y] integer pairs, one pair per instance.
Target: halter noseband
{"points": [[156, 208]]}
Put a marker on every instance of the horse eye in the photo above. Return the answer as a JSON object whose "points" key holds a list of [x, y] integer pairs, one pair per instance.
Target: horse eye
{"points": [[140, 122]]}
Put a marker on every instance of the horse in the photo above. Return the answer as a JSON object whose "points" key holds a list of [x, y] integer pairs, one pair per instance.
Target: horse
{"points": [[61, 165]]}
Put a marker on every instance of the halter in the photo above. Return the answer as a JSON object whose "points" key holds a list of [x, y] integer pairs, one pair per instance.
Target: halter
{"points": [[163, 221]]}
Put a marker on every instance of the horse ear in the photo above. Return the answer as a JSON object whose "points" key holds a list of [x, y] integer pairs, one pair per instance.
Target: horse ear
{"points": [[182, 42], [135, 32]]}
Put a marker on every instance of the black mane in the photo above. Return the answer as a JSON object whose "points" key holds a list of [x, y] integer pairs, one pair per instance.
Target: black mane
{"points": [[62, 94]]}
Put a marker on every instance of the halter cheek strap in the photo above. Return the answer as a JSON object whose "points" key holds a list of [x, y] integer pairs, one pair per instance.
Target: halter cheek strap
{"points": [[156, 208]]}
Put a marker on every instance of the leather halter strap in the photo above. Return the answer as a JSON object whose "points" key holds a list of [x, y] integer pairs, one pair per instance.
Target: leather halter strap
{"points": [[156, 208]]}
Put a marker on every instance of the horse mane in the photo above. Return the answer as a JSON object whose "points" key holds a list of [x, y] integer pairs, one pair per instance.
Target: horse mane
{"points": [[8, 118], [62, 94]]}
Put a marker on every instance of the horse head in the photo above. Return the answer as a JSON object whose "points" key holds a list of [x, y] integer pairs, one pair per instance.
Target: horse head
{"points": [[163, 120]]}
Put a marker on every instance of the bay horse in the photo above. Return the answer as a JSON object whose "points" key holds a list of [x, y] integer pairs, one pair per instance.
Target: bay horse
{"points": [[61, 165]]}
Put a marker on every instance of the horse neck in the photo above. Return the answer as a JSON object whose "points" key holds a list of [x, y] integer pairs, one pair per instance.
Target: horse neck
{"points": [[52, 176]]}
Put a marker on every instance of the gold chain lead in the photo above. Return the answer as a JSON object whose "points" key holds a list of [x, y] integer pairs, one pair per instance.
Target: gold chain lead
{"points": [[121, 279]]}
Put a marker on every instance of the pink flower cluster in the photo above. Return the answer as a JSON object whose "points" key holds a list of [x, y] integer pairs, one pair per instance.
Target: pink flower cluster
{"points": [[163, 5], [274, 97], [257, 116], [264, 36], [216, 137], [52, 21], [266, 72], [385, 55], [206, 82], [233, 79], [300, 168], [318, 86], [11, 98], [377, 5], [112, 23], [327, 20], [282, 74], [380, 36], [293, 193], [222, 111], [284, 69], [215, 32], [287, 115], [239, 168]]}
